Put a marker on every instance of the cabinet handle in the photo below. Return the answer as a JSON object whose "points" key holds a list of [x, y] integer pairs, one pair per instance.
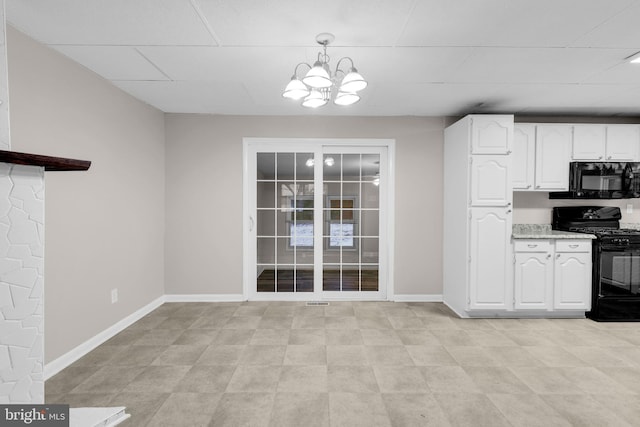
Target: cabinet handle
{"points": [[609, 158], [532, 246], [537, 186], [508, 210], [573, 246], [548, 256], [529, 186], [600, 158], [509, 152], [251, 223], [557, 256]]}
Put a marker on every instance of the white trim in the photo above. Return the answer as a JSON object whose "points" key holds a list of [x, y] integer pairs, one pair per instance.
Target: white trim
{"points": [[205, 298], [300, 144], [57, 365], [247, 220], [391, 218], [417, 298]]}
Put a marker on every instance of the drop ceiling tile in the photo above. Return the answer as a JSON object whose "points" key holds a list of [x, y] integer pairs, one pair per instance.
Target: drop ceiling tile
{"points": [[523, 23], [568, 98], [227, 63], [624, 73], [296, 23], [189, 97], [534, 65], [407, 64], [113, 62], [451, 98], [621, 31], [113, 22]]}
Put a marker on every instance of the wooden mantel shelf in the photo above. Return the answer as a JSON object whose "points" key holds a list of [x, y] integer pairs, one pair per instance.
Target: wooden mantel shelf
{"points": [[49, 163]]}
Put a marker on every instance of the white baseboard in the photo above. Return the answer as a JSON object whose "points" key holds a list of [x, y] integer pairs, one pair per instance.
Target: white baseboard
{"points": [[55, 366], [417, 298], [205, 298]]}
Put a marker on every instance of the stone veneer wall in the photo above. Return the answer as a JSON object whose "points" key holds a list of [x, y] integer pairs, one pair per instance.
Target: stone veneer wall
{"points": [[21, 265]]}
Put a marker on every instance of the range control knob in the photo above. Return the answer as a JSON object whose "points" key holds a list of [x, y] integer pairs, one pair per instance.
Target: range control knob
{"points": [[621, 242]]}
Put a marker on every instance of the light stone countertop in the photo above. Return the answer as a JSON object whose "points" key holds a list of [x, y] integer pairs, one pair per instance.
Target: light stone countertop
{"points": [[544, 231], [630, 225]]}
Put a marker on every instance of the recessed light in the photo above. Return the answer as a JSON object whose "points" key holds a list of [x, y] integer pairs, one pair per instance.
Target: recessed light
{"points": [[634, 59]]}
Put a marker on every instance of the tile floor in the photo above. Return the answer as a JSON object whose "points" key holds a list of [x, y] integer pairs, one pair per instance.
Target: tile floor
{"points": [[358, 364]]}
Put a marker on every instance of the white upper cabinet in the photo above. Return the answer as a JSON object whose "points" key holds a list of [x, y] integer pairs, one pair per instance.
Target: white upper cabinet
{"points": [[606, 143], [523, 157], [553, 154], [490, 181], [589, 142], [491, 134], [623, 143]]}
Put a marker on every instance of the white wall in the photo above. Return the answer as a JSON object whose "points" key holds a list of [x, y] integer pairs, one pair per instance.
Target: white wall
{"points": [[104, 227], [535, 207], [204, 195]]}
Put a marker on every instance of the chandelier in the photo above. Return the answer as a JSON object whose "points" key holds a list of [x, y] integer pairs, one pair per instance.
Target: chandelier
{"points": [[319, 84]]}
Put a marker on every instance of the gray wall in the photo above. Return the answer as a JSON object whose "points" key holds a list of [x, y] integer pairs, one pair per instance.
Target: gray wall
{"points": [[204, 195], [104, 227]]}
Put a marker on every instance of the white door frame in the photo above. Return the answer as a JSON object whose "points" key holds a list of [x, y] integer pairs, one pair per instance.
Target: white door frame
{"points": [[299, 144]]}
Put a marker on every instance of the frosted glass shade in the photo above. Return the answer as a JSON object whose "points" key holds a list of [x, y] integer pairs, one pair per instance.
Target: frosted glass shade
{"points": [[295, 90], [317, 77], [346, 98], [314, 100], [353, 82]]}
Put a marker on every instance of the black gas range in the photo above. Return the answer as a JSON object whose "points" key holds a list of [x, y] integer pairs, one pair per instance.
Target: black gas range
{"points": [[616, 260]]}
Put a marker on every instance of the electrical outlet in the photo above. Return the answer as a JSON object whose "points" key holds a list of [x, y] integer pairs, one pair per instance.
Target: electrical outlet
{"points": [[114, 296], [629, 208]]}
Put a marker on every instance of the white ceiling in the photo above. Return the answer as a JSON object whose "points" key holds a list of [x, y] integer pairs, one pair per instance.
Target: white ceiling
{"points": [[421, 57]]}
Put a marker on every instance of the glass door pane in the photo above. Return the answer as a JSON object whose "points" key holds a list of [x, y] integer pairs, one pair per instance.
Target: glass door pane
{"points": [[285, 222], [351, 226], [315, 226]]}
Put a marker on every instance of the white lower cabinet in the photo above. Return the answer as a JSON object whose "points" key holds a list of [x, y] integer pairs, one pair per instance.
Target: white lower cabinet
{"points": [[490, 276], [552, 275], [572, 269], [533, 275]]}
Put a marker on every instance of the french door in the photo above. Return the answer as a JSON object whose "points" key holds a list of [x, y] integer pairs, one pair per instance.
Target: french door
{"points": [[317, 219]]}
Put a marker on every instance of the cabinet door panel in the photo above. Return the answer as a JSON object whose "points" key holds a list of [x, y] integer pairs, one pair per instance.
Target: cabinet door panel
{"points": [[572, 281], [533, 281], [553, 155], [490, 181], [491, 134], [523, 157], [588, 142], [623, 143], [491, 280]]}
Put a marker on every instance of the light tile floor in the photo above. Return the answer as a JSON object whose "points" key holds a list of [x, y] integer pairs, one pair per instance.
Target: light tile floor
{"points": [[358, 364]]}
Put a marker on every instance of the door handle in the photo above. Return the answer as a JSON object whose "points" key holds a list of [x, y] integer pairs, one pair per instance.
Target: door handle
{"points": [[251, 223]]}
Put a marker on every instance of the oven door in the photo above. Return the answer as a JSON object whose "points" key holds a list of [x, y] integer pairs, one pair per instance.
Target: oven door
{"points": [[619, 272]]}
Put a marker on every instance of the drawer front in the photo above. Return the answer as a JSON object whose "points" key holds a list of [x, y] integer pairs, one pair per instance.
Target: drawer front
{"points": [[533, 245], [573, 246]]}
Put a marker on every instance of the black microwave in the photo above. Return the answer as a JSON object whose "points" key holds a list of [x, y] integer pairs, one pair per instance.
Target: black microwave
{"points": [[601, 180]]}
